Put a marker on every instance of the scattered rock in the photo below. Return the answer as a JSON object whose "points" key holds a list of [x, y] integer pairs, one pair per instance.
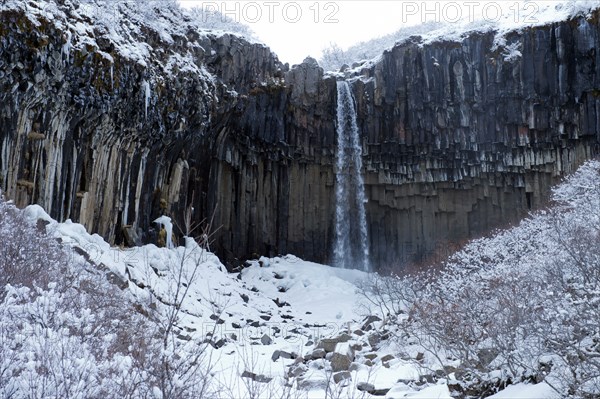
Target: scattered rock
{"points": [[374, 340], [368, 321], [257, 377], [370, 389], [280, 303], [318, 353], [357, 346], [296, 370], [217, 319], [309, 384], [370, 356], [286, 355], [266, 340], [386, 360], [354, 367], [218, 344], [365, 387], [342, 357], [275, 356], [329, 344], [342, 376]]}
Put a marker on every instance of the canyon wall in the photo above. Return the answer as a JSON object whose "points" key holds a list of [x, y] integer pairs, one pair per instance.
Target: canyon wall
{"points": [[114, 130]]}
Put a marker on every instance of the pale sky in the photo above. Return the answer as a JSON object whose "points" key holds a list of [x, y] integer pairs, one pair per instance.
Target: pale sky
{"points": [[296, 29]]}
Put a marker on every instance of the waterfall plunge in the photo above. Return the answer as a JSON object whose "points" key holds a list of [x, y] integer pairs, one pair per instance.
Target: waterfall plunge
{"points": [[351, 247]]}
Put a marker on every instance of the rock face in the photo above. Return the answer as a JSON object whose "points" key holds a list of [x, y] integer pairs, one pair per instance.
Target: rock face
{"points": [[456, 139]]}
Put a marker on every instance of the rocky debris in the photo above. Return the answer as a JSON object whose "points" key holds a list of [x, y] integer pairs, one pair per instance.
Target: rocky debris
{"points": [[329, 344], [280, 303], [365, 387], [283, 354], [354, 366], [266, 340], [116, 280], [341, 376], [385, 360], [318, 353], [369, 320], [342, 357], [370, 389], [308, 384], [374, 340], [356, 346], [257, 377], [296, 370]]}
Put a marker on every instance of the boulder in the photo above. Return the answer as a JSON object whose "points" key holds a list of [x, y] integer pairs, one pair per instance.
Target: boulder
{"points": [[266, 340], [329, 344], [256, 377], [342, 357], [341, 376]]}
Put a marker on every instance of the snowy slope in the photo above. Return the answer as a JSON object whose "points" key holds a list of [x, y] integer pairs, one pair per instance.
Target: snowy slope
{"points": [[513, 17], [279, 304], [137, 31], [284, 327]]}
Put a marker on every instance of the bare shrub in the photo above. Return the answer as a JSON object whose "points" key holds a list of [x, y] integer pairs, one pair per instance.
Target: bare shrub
{"points": [[27, 253]]}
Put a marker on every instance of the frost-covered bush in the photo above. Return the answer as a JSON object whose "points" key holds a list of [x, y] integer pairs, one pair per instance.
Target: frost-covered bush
{"points": [[67, 332], [523, 305], [333, 56], [27, 254], [213, 19]]}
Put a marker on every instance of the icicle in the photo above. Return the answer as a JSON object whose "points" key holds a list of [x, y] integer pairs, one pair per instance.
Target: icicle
{"points": [[165, 221], [147, 95], [66, 48]]}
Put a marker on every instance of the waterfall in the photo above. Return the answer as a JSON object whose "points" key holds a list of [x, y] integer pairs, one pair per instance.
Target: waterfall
{"points": [[351, 246]]}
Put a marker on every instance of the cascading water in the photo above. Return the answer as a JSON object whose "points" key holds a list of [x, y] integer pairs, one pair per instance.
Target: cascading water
{"points": [[351, 248]]}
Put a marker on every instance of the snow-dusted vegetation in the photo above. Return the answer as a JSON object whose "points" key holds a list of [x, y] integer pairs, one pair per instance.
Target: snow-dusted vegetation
{"points": [[512, 19], [68, 330], [519, 306], [511, 315]]}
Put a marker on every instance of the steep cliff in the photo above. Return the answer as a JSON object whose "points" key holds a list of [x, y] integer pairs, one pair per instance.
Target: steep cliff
{"points": [[113, 124], [462, 137]]}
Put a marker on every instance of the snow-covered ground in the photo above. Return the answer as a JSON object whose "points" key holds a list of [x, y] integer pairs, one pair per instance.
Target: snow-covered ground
{"points": [[267, 325]]}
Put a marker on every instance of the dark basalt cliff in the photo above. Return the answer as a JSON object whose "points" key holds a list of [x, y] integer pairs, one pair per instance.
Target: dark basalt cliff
{"points": [[456, 139]]}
